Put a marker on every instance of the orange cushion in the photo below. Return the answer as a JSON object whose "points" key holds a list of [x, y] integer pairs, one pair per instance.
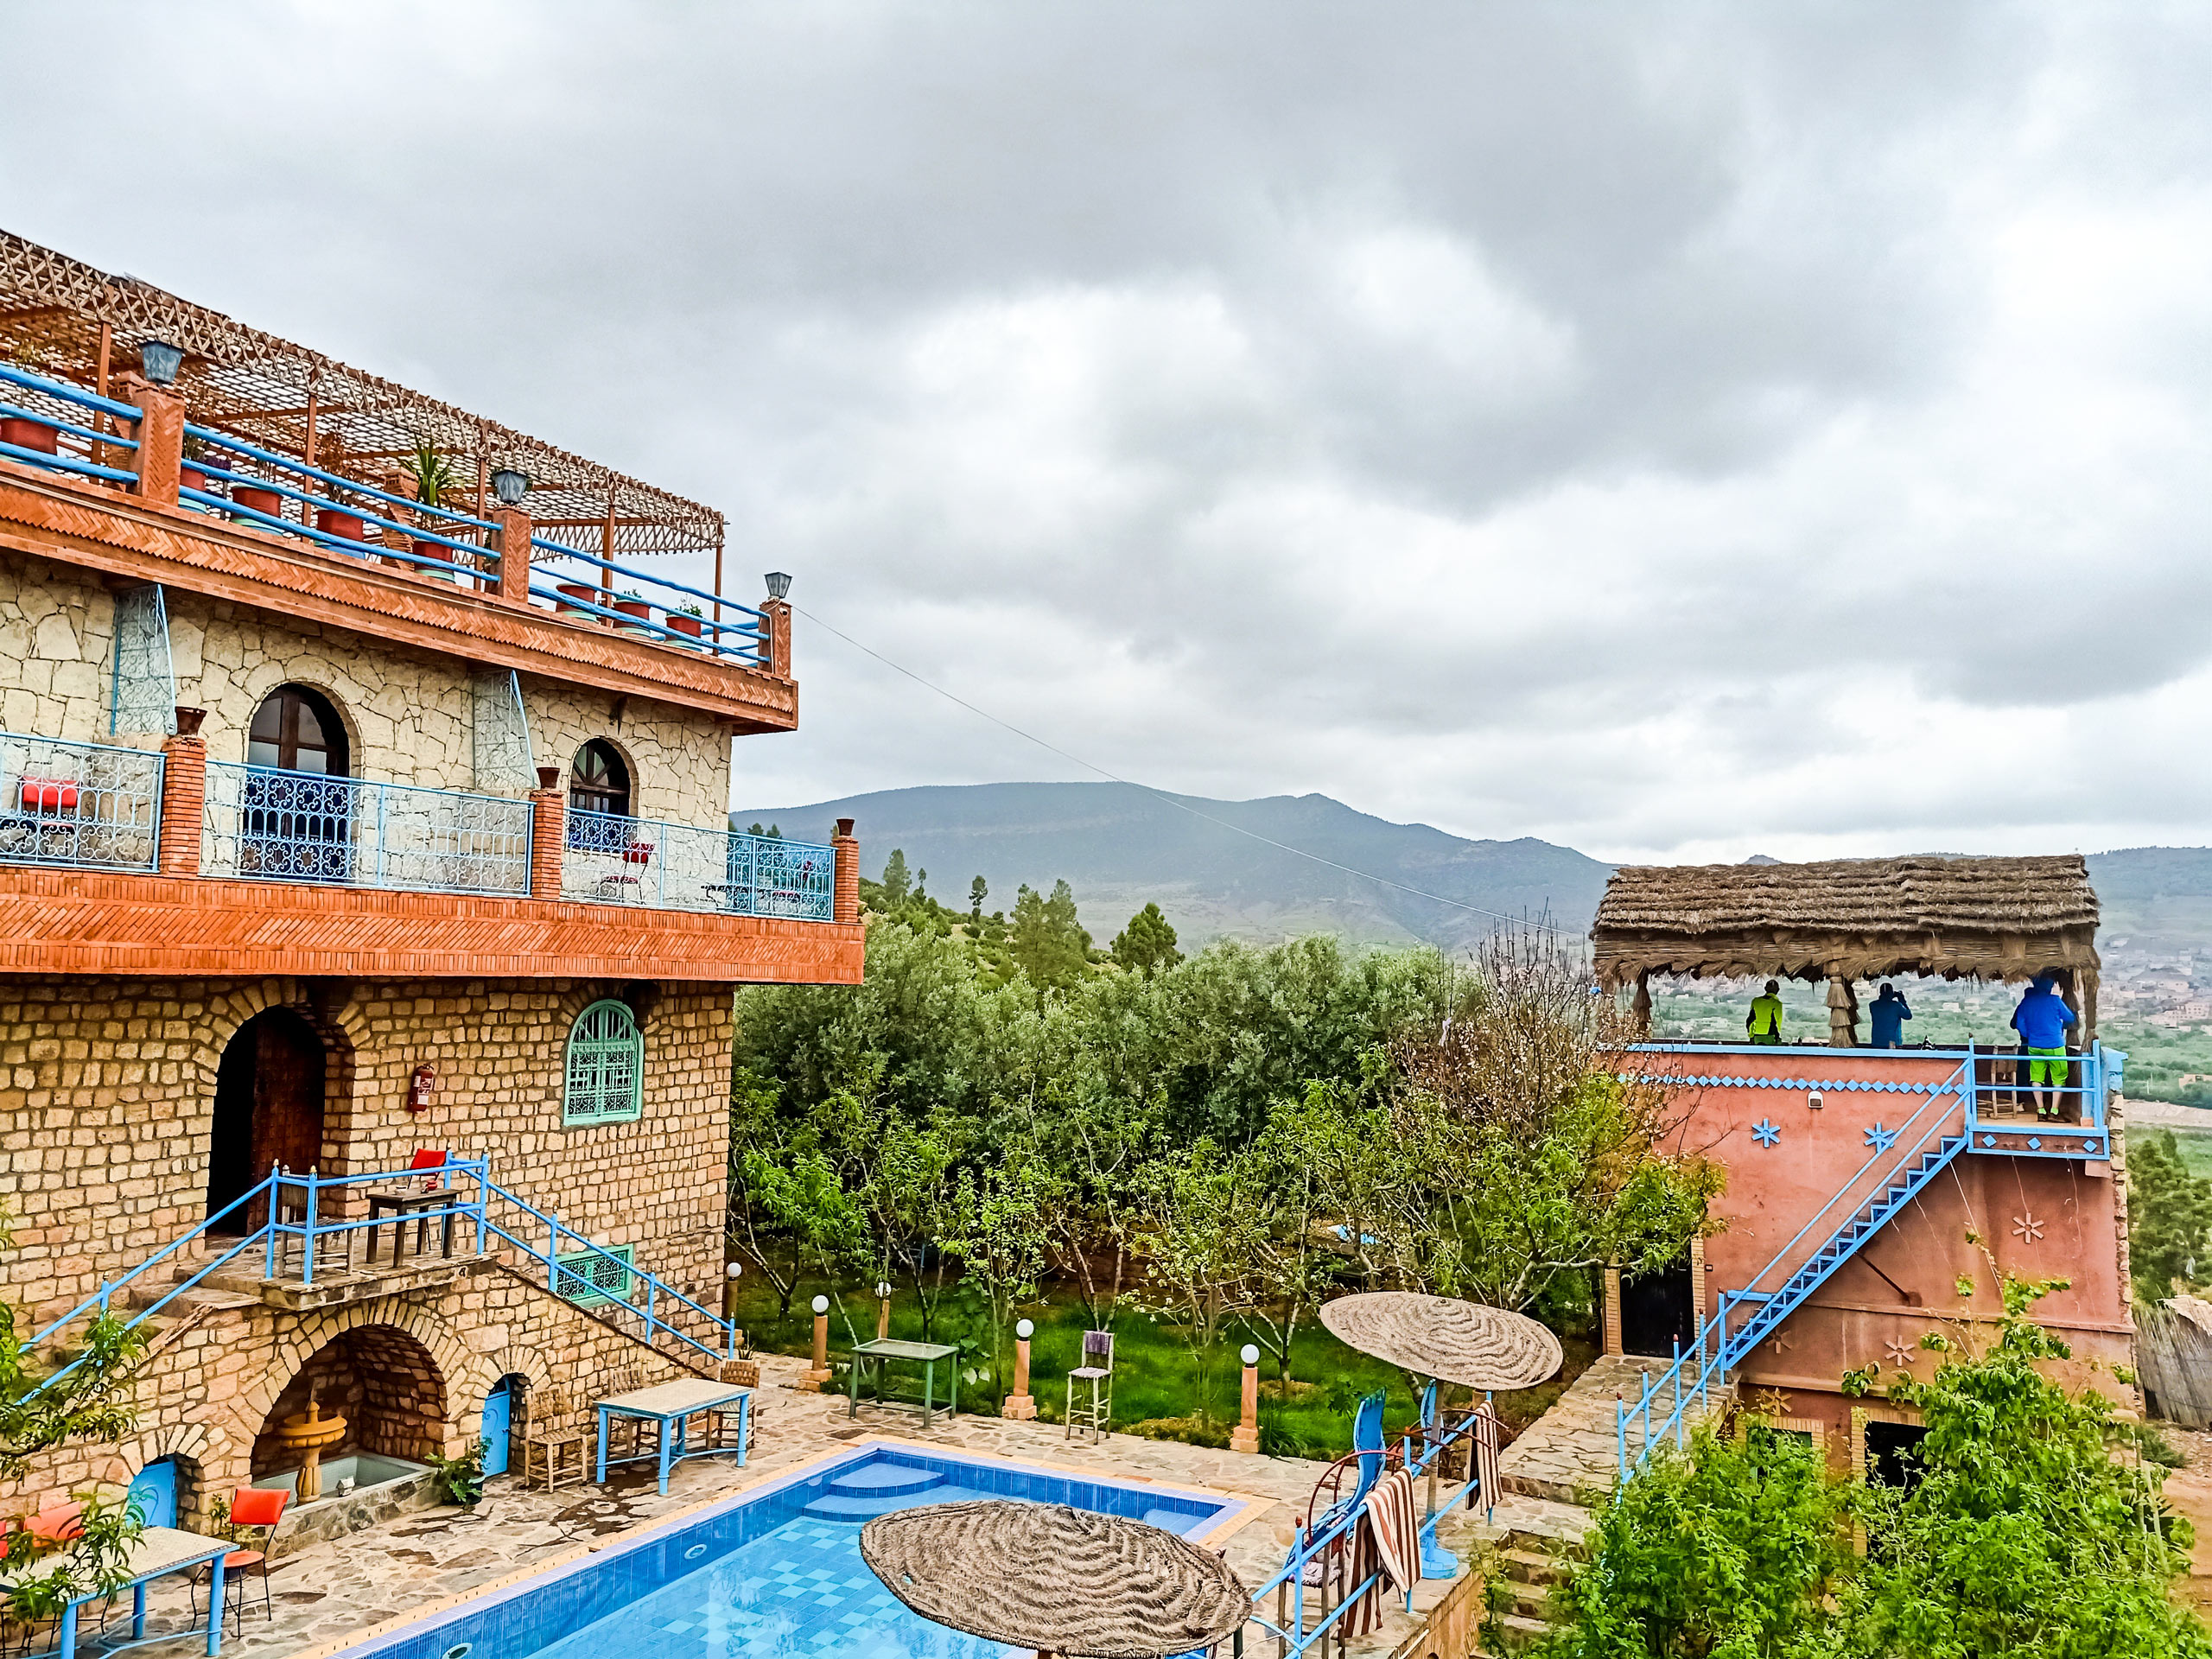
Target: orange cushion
{"points": [[238, 1558]]}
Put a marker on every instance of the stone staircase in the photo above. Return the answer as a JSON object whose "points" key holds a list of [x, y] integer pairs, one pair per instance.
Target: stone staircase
{"points": [[1573, 1449], [1529, 1544], [876, 1489]]}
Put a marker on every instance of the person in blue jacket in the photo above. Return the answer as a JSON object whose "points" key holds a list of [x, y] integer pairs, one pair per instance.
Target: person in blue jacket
{"points": [[1888, 1016], [2042, 1020]]}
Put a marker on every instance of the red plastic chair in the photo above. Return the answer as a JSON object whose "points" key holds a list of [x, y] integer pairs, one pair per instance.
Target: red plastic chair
{"points": [[428, 1158], [260, 1507], [57, 1525]]}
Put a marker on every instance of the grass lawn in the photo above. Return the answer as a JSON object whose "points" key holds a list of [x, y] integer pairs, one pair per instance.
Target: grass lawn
{"points": [[1155, 1376]]}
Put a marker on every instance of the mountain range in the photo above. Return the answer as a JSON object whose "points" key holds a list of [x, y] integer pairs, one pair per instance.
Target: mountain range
{"points": [[1272, 868]]}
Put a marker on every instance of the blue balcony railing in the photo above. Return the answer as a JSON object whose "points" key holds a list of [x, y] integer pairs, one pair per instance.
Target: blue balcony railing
{"points": [[743, 639], [617, 860], [263, 824], [81, 805], [58, 413]]}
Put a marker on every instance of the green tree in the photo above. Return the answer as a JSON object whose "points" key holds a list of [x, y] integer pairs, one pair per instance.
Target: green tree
{"points": [[978, 890], [1049, 943], [1202, 1241], [1291, 1274], [897, 883], [911, 1195], [2169, 1217], [1147, 942], [921, 887], [789, 1209], [88, 1399], [1724, 1551], [999, 1231]]}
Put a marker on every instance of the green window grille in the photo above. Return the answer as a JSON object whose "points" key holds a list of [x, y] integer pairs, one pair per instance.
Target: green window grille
{"points": [[602, 1275], [606, 1081]]}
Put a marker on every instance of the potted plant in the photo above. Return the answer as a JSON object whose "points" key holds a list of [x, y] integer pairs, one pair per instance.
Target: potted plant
{"points": [[632, 603], [432, 475], [685, 622], [339, 519], [583, 593], [27, 433], [252, 497], [461, 1479], [193, 473]]}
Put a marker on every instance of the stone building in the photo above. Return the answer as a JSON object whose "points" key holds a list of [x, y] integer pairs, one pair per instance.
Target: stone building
{"points": [[363, 772]]}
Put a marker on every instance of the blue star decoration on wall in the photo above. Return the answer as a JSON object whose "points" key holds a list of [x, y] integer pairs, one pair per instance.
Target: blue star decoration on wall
{"points": [[1881, 1139], [1765, 1132]]}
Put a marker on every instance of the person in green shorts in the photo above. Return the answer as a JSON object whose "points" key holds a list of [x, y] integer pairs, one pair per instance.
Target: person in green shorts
{"points": [[1763, 1024], [2042, 1020]]}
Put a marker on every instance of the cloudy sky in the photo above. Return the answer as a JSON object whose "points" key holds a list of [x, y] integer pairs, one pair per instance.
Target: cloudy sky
{"points": [[1676, 431]]}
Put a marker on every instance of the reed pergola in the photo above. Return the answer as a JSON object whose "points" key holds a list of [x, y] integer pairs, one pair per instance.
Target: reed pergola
{"points": [[65, 320], [1847, 919]]}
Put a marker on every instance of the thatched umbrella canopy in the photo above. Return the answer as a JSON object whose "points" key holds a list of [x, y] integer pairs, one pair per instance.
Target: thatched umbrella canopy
{"points": [[1846, 919], [1440, 1337], [1058, 1580]]}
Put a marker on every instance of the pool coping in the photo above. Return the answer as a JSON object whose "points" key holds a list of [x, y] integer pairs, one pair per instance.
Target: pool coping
{"points": [[1248, 1509]]}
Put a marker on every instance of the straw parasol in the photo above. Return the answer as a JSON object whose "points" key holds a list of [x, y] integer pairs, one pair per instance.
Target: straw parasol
{"points": [[1058, 1580], [1440, 1337]]}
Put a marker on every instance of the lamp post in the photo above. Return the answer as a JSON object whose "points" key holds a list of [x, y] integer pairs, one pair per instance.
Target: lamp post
{"points": [[820, 1375], [731, 1274], [883, 1309], [1020, 1405], [1246, 1438]]}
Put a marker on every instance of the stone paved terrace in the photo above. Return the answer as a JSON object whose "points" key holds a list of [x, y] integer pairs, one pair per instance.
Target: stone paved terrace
{"points": [[1572, 1449], [328, 1595]]}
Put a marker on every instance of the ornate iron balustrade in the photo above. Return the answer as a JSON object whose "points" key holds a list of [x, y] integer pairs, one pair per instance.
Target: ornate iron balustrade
{"points": [[263, 824], [84, 805], [614, 859]]}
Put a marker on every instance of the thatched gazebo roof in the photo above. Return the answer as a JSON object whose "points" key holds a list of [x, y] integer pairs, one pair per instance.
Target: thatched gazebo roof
{"points": [[1440, 1337], [2001, 918], [1059, 1579]]}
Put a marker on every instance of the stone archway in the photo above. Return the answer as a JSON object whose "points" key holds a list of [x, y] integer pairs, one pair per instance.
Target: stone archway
{"points": [[386, 1385]]}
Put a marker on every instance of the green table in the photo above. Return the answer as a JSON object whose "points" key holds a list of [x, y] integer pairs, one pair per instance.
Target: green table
{"points": [[884, 1350]]}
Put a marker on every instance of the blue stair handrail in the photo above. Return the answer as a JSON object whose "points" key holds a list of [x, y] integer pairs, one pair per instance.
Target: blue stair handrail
{"points": [[1717, 1351]]}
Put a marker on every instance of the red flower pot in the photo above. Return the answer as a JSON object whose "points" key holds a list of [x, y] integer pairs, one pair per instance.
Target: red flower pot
{"points": [[254, 500], [636, 607], [445, 555], [191, 477], [27, 433], [336, 521], [578, 591], [683, 623]]}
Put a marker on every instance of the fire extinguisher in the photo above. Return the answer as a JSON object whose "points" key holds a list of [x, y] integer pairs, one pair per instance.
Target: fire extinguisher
{"points": [[420, 1086]]}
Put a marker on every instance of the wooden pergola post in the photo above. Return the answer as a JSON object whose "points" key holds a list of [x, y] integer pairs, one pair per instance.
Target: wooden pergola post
{"points": [[1843, 1009]]}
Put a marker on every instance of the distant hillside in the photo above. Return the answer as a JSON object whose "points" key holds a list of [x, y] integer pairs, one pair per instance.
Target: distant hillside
{"points": [[1121, 847], [2156, 898]]}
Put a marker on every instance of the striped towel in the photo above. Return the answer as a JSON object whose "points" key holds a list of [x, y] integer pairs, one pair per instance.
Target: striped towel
{"points": [[1393, 1516]]}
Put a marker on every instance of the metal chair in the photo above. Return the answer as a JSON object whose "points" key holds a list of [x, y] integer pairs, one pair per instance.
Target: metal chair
{"points": [[255, 1508], [1097, 1370], [553, 1423]]}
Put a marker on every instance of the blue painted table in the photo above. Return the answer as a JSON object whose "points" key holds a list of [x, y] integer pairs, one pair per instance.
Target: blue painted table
{"points": [[155, 1553], [669, 1406]]}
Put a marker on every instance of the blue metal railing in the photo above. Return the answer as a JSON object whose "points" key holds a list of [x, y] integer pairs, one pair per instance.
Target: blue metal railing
{"points": [[462, 548], [612, 859], [1327, 1544], [2059, 1136], [265, 825], [69, 398], [744, 640], [296, 1225], [81, 805]]}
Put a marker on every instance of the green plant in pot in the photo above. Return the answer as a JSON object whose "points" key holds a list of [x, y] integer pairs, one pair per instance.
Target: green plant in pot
{"points": [[461, 1479], [631, 602], [686, 623], [432, 474]]}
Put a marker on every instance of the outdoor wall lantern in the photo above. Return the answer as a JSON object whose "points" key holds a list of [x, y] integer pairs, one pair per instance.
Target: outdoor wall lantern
{"points": [[778, 583], [1813, 1100], [509, 486], [161, 361]]}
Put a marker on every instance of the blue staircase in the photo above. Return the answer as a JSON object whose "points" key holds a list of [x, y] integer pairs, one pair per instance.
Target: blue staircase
{"points": [[1943, 1132], [875, 1488]]}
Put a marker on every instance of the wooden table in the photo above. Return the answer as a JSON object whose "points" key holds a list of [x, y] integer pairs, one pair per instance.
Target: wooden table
{"points": [[155, 1553], [669, 1406], [412, 1205], [884, 1350]]}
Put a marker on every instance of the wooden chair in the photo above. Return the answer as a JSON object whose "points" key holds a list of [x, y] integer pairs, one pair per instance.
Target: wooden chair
{"points": [[721, 1426], [1097, 1370], [555, 1423]]}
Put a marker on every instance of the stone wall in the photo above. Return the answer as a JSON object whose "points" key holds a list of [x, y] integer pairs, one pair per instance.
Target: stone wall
{"points": [[107, 1095], [408, 713]]}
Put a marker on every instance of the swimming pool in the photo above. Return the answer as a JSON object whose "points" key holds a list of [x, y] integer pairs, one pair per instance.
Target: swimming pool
{"points": [[771, 1573]]}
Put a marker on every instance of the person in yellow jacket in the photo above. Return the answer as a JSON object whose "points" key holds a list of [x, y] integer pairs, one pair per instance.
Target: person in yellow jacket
{"points": [[1763, 1024]]}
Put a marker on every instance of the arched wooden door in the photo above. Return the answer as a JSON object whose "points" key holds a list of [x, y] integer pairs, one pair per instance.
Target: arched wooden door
{"points": [[269, 1098]]}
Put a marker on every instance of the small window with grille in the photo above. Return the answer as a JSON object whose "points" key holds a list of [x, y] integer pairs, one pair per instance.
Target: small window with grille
{"points": [[602, 1275], [605, 1074]]}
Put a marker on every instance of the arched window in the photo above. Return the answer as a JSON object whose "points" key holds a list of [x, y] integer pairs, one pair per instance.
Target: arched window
{"points": [[598, 781], [606, 1077], [297, 730]]}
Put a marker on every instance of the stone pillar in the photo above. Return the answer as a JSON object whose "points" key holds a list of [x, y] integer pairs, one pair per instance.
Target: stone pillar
{"points": [[159, 459], [514, 554], [184, 795], [776, 614], [818, 1376], [1246, 1435], [549, 834], [1612, 1337], [846, 893], [1021, 1405]]}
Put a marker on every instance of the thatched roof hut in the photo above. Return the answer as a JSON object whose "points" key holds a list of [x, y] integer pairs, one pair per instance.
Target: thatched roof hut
{"points": [[1846, 919]]}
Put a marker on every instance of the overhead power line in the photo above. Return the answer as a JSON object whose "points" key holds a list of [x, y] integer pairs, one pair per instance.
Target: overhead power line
{"points": [[1160, 794]]}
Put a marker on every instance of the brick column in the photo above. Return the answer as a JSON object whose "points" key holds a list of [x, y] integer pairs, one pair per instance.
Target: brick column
{"points": [[514, 554], [184, 795], [159, 458], [847, 889], [776, 613], [549, 834]]}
